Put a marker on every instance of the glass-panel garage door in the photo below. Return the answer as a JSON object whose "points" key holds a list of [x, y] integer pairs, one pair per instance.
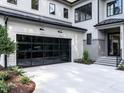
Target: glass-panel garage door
{"points": [[35, 50]]}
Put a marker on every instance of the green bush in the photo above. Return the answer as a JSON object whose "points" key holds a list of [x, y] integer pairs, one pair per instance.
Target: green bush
{"points": [[17, 70], [4, 75], [85, 58], [4, 88], [25, 80], [121, 67]]}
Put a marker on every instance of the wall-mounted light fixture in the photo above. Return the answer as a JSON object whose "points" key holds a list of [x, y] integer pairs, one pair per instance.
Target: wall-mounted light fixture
{"points": [[42, 29], [60, 31]]}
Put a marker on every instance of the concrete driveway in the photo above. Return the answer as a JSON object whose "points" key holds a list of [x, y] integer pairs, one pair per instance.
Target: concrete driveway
{"points": [[76, 78]]}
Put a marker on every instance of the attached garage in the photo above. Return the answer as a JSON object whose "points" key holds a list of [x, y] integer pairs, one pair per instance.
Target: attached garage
{"points": [[37, 50]]}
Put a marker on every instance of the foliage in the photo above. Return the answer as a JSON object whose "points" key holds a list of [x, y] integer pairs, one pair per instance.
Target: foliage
{"points": [[4, 75], [121, 67], [4, 88], [17, 70], [86, 57], [6, 45], [25, 80]]}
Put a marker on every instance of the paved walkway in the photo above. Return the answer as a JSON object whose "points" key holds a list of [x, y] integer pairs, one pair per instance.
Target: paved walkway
{"points": [[76, 78]]}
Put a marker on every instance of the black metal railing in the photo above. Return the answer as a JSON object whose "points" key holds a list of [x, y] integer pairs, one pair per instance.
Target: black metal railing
{"points": [[119, 57]]}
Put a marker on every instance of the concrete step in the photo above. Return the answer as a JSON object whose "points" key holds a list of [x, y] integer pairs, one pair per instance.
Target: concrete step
{"points": [[108, 61], [114, 65]]}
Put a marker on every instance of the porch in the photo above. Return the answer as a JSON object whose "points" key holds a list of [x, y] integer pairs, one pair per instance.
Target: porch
{"points": [[111, 45]]}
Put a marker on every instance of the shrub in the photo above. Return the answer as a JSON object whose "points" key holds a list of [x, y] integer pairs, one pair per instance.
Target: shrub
{"points": [[25, 80], [121, 67], [86, 57], [4, 75], [17, 70], [4, 88]]}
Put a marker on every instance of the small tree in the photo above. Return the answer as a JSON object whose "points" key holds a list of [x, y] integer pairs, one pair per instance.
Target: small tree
{"points": [[86, 57], [6, 45]]}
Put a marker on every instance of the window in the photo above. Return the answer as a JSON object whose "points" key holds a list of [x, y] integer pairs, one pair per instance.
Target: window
{"points": [[114, 7], [65, 13], [89, 38], [83, 13], [35, 4], [12, 1], [52, 9]]}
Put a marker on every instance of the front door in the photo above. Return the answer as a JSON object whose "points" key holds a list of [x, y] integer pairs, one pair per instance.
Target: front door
{"points": [[113, 44]]}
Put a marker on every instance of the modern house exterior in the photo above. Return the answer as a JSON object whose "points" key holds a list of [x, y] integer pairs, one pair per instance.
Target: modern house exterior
{"points": [[57, 31]]}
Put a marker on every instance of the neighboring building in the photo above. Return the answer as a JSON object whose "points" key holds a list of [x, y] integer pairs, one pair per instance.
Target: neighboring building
{"points": [[54, 31]]}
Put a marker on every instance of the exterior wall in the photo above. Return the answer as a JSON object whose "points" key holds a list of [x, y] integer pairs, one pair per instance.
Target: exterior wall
{"points": [[89, 25], [25, 5], [29, 28]]}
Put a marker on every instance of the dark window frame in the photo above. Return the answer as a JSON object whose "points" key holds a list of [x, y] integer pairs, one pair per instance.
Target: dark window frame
{"points": [[36, 6], [12, 2], [89, 39], [54, 13], [78, 10], [113, 3], [65, 13]]}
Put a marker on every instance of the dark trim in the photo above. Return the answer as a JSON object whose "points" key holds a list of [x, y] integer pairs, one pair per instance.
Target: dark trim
{"points": [[29, 18], [108, 23]]}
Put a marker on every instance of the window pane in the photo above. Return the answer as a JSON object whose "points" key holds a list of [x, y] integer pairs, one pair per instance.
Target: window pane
{"points": [[89, 39], [114, 7], [89, 11], [23, 38], [52, 8], [65, 13], [12, 1], [77, 15], [83, 13], [35, 4], [118, 6]]}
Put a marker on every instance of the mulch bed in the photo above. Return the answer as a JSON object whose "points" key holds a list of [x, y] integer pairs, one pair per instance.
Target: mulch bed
{"points": [[17, 86]]}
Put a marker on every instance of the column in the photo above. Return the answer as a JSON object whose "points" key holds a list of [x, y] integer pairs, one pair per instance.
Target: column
{"points": [[122, 40]]}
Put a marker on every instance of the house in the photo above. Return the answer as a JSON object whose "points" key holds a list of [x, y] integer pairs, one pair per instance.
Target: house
{"points": [[57, 31]]}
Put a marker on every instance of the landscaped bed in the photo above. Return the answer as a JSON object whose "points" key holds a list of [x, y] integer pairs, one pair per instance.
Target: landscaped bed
{"points": [[13, 80]]}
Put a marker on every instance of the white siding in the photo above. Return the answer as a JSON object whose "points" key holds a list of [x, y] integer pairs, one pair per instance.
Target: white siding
{"points": [[17, 27], [25, 5], [89, 24]]}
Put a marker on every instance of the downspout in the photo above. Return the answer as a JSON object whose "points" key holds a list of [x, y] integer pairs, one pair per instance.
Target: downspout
{"points": [[98, 10], [5, 56]]}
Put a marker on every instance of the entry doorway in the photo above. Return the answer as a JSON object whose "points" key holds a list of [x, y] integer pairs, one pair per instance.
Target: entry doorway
{"points": [[113, 44]]}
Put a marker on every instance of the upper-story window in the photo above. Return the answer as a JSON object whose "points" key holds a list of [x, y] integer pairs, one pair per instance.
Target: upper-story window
{"points": [[83, 13], [12, 1], [65, 13], [52, 9], [114, 7], [35, 4]]}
